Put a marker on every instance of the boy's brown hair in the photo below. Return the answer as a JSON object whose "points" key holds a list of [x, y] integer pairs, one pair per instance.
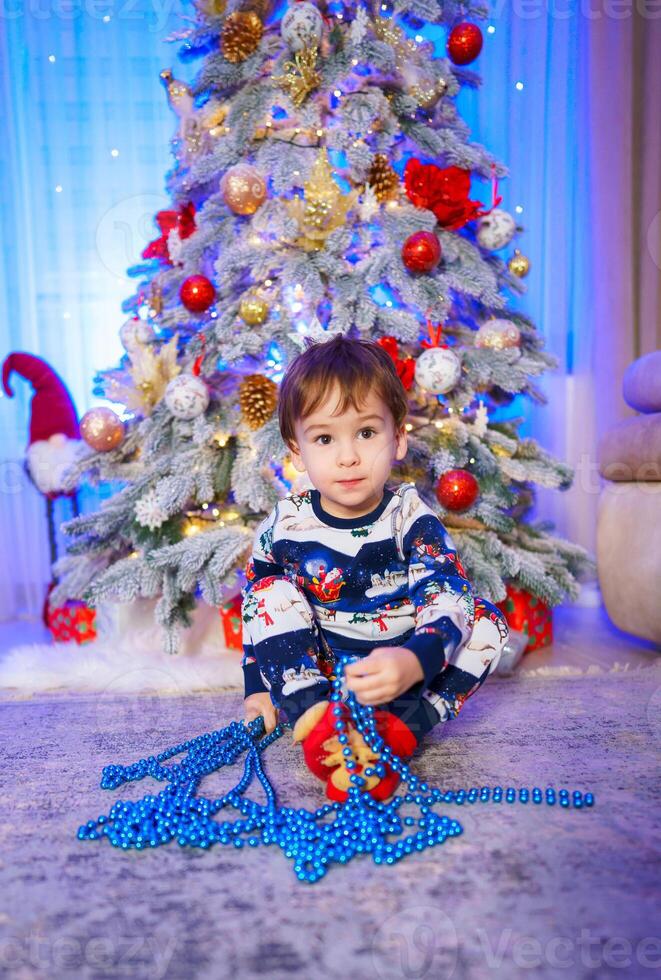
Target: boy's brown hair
{"points": [[356, 365]]}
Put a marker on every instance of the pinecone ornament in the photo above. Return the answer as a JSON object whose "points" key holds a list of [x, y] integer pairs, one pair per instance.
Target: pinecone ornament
{"points": [[258, 396], [241, 35], [382, 178]]}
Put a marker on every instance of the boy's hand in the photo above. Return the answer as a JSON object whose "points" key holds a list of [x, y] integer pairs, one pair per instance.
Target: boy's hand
{"points": [[260, 704], [383, 675]]}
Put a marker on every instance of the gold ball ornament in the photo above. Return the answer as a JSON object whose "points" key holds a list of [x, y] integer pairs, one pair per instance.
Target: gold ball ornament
{"points": [[253, 311], [519, 264], [241, 34], [425, 90], [102, 429], [258, 397], [243, 189], [498, 335]]}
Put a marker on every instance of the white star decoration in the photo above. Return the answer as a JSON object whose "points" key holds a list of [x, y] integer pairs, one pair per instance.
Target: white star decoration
{"points": [[481, 420], [314, 332], [369, 204]]}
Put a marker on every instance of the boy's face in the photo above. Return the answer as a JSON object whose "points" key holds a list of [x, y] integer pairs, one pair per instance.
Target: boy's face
{"points": [[358, 445]]}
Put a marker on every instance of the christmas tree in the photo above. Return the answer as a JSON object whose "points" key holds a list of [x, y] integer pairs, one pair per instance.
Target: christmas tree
{"points": [[321, 185]]}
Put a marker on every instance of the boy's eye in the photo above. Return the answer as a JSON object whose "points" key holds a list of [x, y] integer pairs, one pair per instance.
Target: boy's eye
{"points": [[325, 436]]}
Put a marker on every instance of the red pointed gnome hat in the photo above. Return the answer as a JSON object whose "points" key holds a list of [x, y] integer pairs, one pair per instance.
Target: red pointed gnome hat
{"points": [[52, 409]]}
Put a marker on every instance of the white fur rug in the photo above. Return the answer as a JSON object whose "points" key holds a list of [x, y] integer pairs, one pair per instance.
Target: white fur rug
{"points": [[126, 658]]}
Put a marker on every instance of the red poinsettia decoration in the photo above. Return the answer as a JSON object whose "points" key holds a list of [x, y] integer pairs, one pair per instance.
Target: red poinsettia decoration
{"points": [[183, 220], [441, 190], [405, 365]]}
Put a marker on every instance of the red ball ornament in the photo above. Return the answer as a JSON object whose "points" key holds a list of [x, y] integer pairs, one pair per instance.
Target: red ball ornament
{"points": [[197, 293], [464, 43], [457, 490], [421, 252]]}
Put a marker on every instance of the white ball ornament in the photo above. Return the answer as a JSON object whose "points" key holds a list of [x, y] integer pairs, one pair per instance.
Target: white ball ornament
{"points": [[437, 370], [302, 26], [186, 396], [136, 332], [498, 334], [496, 230]]}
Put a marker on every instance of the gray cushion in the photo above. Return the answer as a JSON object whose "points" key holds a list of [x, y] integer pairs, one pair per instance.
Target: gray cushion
{"points": [[631, 450], [641, 386]]}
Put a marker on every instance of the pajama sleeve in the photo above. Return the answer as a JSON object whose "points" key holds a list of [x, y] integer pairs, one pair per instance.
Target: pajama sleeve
{"points": [[260, 565], [439, 590]]}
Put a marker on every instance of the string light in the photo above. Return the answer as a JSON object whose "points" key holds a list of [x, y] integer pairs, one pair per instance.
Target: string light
{"points": [[215, 512], [58, 188], [114, 152], [519, 209], [491, 29], [52, 59], [519, 86]]}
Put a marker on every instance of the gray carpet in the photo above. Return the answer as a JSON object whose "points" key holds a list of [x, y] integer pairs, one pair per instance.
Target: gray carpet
{"points": [[525, 891]]}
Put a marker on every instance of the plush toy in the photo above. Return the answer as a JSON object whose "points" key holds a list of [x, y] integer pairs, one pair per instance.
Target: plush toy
{"points": [[54, 441]]}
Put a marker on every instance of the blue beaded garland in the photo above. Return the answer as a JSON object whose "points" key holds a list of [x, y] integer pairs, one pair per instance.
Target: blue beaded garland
{"points": [[359, 826]]}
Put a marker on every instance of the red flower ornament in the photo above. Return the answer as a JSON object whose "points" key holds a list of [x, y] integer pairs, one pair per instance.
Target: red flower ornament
{"points": [[183, 220], [444, 191]]}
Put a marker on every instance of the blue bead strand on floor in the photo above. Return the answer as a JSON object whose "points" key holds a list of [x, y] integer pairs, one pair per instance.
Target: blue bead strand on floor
{"points": [[309, 838]]}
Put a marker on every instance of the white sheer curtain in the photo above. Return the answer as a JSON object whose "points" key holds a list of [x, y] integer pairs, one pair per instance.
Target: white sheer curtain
{"points": [[84, 111], [580, 134], [571, 101]]}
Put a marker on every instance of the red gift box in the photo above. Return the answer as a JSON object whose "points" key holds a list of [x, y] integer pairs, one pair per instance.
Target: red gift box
{"points": [[230, 613], [528, 614], [72, 621]]}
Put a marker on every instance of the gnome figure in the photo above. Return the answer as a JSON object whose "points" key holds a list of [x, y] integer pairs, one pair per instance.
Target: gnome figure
{"points": [[54, 442]]}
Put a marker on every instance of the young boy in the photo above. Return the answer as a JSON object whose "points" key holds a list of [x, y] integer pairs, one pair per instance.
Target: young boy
{"points": [[359, 567]]}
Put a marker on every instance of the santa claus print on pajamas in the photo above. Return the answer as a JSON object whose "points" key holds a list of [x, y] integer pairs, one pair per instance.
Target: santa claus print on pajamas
{"points": [[317, 583]]}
